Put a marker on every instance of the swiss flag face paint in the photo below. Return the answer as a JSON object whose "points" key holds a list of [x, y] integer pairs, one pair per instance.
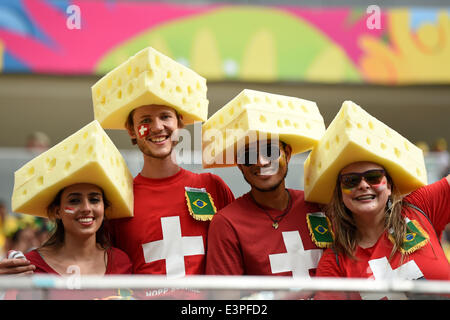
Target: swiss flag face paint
{"points": [[69, 210], [144, 130], [381, 186]]}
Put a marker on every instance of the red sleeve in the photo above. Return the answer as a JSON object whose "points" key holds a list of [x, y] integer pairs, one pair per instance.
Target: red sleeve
{"points": [[224, 193], [110, 227], [434, 200], [41, 266], [223, 256], [328, 267], [119, 262]]}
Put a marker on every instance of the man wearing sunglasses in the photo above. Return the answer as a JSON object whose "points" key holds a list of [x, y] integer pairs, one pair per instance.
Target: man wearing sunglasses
{"points": [[265, 231]]}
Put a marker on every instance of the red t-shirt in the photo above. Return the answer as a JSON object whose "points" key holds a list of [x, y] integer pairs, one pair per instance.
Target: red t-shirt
{"points": [[428, 262], [242, 240], [162, 237], [118, 262]]}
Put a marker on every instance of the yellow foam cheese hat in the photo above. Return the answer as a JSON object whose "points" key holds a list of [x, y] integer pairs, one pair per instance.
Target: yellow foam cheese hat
{"points": [[147, 78], [354, 135], [87, 156], [256, 115]]}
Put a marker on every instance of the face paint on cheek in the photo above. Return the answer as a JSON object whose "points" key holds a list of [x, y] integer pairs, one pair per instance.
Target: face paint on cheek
{"points": [[380, 187], [347, 191], [144, 130], [69, 210]]}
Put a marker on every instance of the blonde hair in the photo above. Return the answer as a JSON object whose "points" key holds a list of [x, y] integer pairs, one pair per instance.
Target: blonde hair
{"points": [[344, 225]]}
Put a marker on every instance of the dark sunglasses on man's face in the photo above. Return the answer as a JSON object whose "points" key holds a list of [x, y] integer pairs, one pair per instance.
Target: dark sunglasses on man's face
{"points": [[352, 180], [249, 156]]}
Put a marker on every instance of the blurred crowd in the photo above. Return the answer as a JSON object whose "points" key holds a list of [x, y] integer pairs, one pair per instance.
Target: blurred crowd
{"points": [[24, 232], [441, 155], [21, 231]]}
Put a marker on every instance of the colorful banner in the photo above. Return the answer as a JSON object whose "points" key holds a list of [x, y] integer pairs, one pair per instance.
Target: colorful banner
{"points": [[230, 42]]}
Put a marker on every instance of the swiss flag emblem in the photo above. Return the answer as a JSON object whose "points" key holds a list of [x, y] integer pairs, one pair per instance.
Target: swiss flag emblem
{"points": [[144, 130]]}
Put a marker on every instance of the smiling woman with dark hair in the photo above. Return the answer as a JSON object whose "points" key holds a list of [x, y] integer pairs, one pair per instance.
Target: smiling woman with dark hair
{"points": [[79, 238], [78, 245]]}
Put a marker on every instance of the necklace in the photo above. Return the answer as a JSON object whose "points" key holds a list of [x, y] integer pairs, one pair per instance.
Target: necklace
{"points": [[277, 219]]}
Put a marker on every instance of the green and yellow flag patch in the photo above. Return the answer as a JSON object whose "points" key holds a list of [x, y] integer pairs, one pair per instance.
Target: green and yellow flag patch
{"points": [[320, 229], [415, 238], [200, 203]]}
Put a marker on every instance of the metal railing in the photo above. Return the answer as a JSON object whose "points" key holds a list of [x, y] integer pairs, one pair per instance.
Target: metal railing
{"points": [[235, 287]]}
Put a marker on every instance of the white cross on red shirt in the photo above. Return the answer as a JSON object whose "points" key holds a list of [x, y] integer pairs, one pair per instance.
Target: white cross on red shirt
{"points": [[382, 270], [297, 259], [173, 247]]}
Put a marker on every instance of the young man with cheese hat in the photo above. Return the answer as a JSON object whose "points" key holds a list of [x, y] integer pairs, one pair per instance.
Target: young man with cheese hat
{"points": [[387, 220], [270, 230], [151, 96]]}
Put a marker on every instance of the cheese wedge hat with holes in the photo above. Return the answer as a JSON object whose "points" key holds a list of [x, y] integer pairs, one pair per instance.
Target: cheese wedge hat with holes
{"points": [[147, 78], [256, 115], [353, 136], [86, 156]]}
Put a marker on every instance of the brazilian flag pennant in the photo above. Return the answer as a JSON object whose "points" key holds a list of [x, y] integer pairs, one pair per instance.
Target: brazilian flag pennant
{"points": [[320, 229], [415, 237], [200, 203]]}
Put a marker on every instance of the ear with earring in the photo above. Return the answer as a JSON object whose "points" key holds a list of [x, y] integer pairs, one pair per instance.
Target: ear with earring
{"points": [[389, 205]]}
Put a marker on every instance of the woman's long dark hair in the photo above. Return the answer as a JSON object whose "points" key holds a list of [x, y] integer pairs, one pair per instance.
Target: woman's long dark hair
{"points": [[56, 238]]}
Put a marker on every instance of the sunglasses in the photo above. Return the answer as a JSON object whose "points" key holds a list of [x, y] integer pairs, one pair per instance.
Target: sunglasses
{"points": [[352, 180], [249, 157]]}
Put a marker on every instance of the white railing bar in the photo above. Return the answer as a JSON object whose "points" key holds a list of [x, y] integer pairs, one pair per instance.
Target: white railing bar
{"points": [[222, 283]]}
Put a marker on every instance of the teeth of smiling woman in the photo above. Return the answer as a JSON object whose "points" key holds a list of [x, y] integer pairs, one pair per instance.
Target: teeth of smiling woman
{"points": [[367, 197], [86, 220]]}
